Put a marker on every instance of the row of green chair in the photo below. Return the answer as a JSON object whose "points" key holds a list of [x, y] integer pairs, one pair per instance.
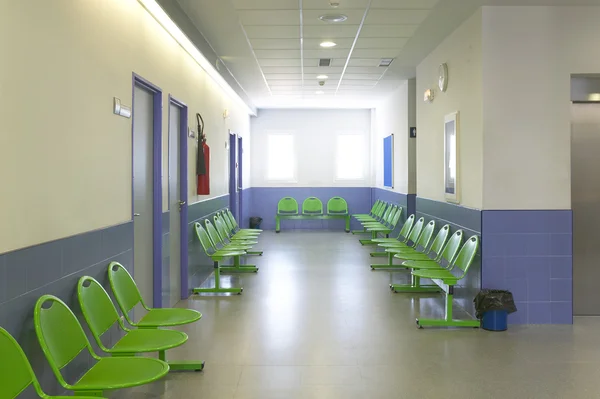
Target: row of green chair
{"points": [[62, 339], [222, 239], [374, 215], [445, 261], [381, 225], [312, 208]]}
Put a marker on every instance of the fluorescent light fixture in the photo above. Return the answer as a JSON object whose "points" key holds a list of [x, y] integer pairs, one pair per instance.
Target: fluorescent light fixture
{"points": [[594, 97], [322, 77], [172, 29], [333, 18], [319, 92], [328, 44]]}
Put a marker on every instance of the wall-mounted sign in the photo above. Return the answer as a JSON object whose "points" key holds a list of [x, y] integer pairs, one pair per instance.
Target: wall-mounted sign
{"points": [[413, 132]]}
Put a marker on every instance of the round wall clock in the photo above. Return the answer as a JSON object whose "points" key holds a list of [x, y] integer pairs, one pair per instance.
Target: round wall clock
{"points": [[443, 77]]}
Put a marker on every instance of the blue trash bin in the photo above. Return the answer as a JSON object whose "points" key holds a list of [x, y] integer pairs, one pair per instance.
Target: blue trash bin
{"points": [[495, 320]]}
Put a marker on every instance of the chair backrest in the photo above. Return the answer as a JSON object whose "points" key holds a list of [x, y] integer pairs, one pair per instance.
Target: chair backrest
{"points": [[451, 249], [406, 228], [386, 214], [16, 373], [204, 239], [312, 206], [97, 308], [215, 238], [375, 207], [287, 205], [59, 333], [222, 229], [229, 220], [381, 210], [439, 242], [337, 206], [425, 237], [415, 233], [124, 288], [395, 218], [467, 253]]}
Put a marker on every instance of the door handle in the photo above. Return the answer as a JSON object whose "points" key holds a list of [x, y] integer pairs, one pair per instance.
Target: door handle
{"points": [[181, 204], [136, 214]]}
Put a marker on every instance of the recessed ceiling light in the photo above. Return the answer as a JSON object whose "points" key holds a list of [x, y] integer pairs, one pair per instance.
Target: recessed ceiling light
{"points": [[319, 92], [328, 44], [322, 77], [333, 18]]}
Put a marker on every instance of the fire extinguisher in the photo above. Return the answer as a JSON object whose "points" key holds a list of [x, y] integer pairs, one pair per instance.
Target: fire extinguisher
{"points": [[203, 163]]}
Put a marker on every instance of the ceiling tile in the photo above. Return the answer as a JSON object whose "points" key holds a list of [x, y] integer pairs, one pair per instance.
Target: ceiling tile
{"points": [[358, 82], [362, 76], [375, 69], [277, 62], [279, 89], [364, 62], [325, 31], [274, 31], [344, 5], [369, 31], [403, 4], [376, 53], [266, 4], [380, 43], [277, 53], [280, 69], [311, 17], [394, 17], [283, 76], [308, 69], [326, 53], [269, 17], [285, 83], [340, 62], [275, 44]]}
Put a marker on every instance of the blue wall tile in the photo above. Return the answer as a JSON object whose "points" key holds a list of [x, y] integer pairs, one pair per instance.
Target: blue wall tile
{"points": [[538, 263], [3, 281], [497, 272], [521, 315], [84, 249]]}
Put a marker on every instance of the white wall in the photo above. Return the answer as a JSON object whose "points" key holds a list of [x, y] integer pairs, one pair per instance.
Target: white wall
{"points": [[529, 54], [461, 50], [315, 133], [65, 159], [396, 115]]}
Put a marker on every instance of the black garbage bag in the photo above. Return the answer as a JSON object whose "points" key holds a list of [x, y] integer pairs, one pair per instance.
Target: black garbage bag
{"points": [[255, 222], [494, 300]]}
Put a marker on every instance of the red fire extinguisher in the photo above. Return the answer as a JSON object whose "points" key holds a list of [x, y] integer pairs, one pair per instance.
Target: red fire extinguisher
{"points": [[203, 162]]}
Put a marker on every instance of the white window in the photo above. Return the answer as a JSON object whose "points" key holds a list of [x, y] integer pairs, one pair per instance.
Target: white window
{"points": [[281, 159], [350, 159]]}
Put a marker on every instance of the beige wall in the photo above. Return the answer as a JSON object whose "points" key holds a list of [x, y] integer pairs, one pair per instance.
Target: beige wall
{"points": [[462, 52], [396, 115], [65, 159], [529, 55]]}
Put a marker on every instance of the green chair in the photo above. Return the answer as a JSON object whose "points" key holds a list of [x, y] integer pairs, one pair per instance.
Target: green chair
{"points": [[216, 256], [224, 232], [62, 339], [100, 314], [128, 296], [234, 227], [16, 374], [409, 245], [337, 206], [287, 206], [239, 235], [219, 245], [442, 261], [372, 216], [446, 279], [385, 227], [312, 206]]}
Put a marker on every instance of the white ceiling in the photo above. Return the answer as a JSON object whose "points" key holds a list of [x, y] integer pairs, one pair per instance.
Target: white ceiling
{"points": [[272, 47]]}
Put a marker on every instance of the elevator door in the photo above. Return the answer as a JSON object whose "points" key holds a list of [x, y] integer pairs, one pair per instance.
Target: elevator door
{"points": [[585, 199]]}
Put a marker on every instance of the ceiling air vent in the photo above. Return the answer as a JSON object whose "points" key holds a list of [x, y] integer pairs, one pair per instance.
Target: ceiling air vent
{"points": [[386, 62], [325, 62]]}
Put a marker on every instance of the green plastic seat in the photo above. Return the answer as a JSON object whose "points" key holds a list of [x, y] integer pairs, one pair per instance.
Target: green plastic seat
{"points": [[16, 373], [378, 212], [240, 238], [100, 315], [371, 212], [446, 257], [312, 206], [413, 237], [62, 338], [409, 242], [231, 231], [385, 217], [337, 206], [287, 206], [402, 235], [420, 245], [235, 228], [128, 296], [387, 227]]}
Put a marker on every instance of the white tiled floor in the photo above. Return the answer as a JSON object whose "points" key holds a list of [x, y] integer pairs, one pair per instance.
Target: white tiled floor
{"points": [[317, 323]]}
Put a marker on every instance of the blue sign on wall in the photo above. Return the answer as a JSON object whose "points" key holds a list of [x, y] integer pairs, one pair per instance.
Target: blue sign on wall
{"points": [[388, 161]]}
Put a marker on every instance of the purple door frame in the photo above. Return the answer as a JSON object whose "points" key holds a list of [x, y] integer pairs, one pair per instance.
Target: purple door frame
{"points": [[240, 180], [156, 184], [183, 193], [233, 193]]}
